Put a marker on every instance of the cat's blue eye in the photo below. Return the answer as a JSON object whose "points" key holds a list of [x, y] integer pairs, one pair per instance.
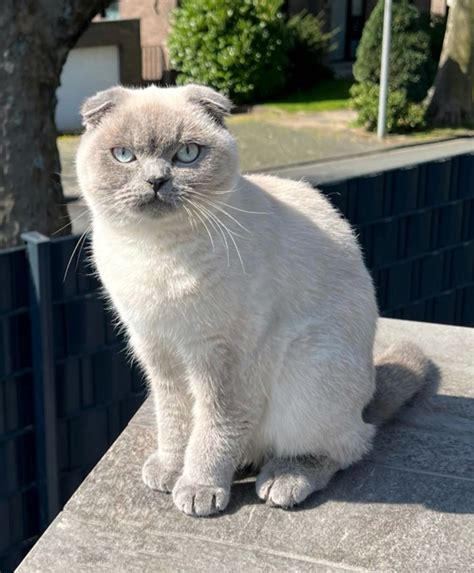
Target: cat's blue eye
{"points": [[123, 155], [188, 153]]}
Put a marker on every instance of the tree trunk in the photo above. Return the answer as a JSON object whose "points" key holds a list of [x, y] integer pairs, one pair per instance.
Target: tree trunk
{"points": [[450, 102], [35, 38]]}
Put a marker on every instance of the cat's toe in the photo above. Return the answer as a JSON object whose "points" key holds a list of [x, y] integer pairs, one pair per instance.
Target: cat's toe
{"points": [[199, 500], [159, 475], [283, 490]]}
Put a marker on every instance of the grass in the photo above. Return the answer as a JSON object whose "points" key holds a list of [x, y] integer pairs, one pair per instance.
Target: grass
{"points": [[327, 95], [442, 132]]}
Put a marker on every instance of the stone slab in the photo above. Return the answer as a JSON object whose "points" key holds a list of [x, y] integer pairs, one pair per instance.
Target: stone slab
{"points": [[407, 507], [343, 168]]}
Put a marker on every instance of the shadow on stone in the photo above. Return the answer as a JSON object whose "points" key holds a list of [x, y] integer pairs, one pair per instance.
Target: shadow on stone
{"points": [[427, 443]]}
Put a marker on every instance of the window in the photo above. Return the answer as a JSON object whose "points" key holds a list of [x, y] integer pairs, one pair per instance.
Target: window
{"points": [[112, 12]]}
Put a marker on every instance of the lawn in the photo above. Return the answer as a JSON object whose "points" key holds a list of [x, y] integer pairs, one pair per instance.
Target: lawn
{"points": [[327, 95]]}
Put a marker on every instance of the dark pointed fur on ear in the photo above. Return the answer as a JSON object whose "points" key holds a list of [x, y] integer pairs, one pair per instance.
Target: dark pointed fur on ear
{"points": [[214, 104], [95, 107]]}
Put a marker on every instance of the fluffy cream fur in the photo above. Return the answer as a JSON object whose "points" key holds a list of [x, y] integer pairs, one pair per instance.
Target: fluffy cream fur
{"points": [[246, 300]]}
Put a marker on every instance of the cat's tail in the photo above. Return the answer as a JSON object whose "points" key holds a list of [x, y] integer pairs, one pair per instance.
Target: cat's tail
{"points": [[400, 373]]}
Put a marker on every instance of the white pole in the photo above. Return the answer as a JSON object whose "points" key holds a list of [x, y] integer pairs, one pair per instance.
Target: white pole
{"points": [[384, 68]]}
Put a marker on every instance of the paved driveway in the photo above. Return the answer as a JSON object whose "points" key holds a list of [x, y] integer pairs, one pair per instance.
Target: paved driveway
{"points": [[269, 139]]}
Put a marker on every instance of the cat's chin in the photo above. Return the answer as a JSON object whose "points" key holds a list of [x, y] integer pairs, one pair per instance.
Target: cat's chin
{"points": [[155, 208]]}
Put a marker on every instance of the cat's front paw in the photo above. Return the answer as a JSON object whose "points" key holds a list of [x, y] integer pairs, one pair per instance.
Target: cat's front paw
{"points": [[159, 474], [199, 500]]}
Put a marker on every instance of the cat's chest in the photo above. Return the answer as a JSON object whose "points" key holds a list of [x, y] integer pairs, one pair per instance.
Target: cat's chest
{"points": [[148, 290]]}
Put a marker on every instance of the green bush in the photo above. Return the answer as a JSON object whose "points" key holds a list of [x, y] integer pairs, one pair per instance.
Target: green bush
{"points": [[402, 115], [411, 68], [238, 47], [309, 45]]}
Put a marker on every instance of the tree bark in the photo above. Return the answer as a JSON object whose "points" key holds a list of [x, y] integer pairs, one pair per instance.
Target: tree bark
{"points": [[35, 38], [450, 102]]}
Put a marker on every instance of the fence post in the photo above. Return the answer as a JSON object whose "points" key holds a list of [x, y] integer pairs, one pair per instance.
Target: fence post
{"points": [[39, 260]]}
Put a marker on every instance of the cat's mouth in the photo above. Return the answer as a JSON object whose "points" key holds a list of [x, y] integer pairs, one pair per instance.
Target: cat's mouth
{"points": [[157, 202]]}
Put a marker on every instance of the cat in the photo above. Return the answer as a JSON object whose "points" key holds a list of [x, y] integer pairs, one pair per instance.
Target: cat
{"points": [[245, 298]]}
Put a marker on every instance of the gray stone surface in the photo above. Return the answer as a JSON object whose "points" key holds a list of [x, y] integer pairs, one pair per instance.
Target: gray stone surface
{"points": [[407, 507]]}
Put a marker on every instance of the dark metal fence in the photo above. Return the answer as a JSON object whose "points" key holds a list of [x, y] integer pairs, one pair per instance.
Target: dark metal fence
{"points": [[416, 227], [66, 389]]}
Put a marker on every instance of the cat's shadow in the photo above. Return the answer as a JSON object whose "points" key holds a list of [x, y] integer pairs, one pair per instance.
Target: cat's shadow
{"points": [[421, 458]]}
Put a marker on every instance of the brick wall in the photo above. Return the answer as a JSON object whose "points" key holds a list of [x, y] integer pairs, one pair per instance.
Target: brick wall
{"points": [[154, 18]]}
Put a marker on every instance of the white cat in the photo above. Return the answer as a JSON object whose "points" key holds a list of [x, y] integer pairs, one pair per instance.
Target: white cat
{"points": [[246, 300]]}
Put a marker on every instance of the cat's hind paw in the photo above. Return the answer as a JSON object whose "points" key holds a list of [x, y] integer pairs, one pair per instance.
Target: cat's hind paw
{"points": [[283, 490], [287, 482], [160, 475], [199, 500]]}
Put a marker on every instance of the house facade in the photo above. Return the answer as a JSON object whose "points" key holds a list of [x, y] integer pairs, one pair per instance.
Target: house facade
{"points": [[107, 54], [128, 44], [346, 18]]}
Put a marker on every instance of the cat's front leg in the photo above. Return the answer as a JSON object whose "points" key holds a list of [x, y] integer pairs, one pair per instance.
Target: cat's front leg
{"points": [[173, 412], [222, 423]]}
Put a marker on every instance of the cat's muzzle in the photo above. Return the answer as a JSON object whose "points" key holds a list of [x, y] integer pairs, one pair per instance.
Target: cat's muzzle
{"points": [[157, 199]]}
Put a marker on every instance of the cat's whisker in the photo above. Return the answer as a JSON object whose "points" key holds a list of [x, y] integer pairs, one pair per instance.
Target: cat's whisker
{"points": [[237, 249], [81, 238], [243, 210], [212, 204], [202, 221], [214, 214], [194, 192], [190, 217], [206, 214], [222, 192], [231, 236], [217, 224], [231, 233], [70, 222]]}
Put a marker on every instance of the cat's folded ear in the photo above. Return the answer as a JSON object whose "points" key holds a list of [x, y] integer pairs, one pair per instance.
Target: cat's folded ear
{"points": [[96, 107], [216, 105]]}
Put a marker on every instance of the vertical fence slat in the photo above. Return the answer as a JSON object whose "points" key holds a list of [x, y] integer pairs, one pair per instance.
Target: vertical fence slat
{"points": [[39, 260]]}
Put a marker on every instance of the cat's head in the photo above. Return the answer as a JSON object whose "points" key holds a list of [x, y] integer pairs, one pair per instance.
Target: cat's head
{"points": [[146, 153]]}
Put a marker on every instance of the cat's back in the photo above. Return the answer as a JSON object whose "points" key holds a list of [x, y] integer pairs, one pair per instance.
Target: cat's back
{"points": [[304, 211], [312, 251]]}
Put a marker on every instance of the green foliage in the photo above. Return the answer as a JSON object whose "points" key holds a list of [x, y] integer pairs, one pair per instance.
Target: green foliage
{"points": [[402, 115], [309, 45], [412, 68], [238, 47]]}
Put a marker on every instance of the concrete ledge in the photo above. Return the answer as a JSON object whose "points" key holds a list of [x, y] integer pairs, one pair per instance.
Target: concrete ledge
{"points": [[376, 161], [408, 507]]}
